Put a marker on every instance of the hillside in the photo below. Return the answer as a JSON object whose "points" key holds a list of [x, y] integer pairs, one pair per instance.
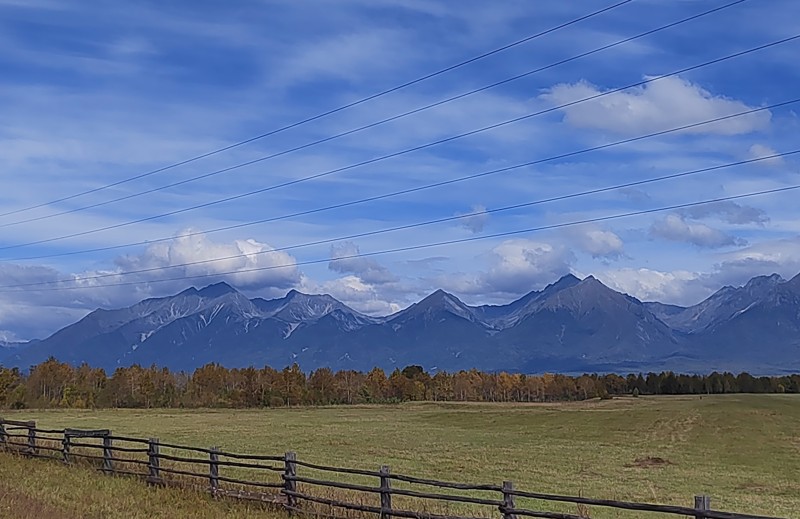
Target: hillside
{"points": [[570, 326]]}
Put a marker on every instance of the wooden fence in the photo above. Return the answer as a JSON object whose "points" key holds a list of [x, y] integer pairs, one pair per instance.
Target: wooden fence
{"points": [[276, 479]]}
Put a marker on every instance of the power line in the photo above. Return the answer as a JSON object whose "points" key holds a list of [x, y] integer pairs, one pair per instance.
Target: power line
{"points": [[434, 244], [371, 125], [428, 222], [408, 150], [435, 184], [329, 112]]}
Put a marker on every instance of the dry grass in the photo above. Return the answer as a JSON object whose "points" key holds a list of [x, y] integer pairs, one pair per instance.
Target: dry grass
{"points": [[34, 488], [20, 505], [741, 450]]}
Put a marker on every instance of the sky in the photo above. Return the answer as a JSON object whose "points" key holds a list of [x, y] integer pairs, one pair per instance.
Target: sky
{"points": [[93, 93]]}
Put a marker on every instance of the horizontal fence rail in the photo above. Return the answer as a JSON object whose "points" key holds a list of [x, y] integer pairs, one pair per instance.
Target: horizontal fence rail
{"points": [[274, 479]]}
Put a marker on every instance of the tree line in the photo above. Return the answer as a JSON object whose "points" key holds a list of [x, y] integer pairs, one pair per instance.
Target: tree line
{"points": [[58, 384]]}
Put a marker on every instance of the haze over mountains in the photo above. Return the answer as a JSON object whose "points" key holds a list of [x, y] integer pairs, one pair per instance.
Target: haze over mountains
{"points": [[570, 326]]}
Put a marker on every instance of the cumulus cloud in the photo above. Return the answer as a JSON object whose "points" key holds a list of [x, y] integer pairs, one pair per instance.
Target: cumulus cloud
{"points": [[676, 287], [728, 211], [516, 267], [475, 220], [521, 264], [675, 227], [248, 264], [358, 295], [778, 256], [345, 260], [34, 312], [600, 243], [734, 268], [662, 104], [758, 151]]}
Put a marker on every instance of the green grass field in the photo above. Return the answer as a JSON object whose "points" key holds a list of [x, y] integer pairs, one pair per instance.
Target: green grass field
{"points": [[743, 450]]}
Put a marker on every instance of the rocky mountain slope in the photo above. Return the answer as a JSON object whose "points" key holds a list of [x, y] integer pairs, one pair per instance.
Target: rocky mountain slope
{"points": [[572, 325]]}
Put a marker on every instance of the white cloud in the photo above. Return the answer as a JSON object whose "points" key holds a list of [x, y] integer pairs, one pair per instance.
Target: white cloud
{"points": [[600, 243], [734, 268], [676, 287], [475, 220], [344, 259], [32, 313], [675, 228], [516, 267], [770, 256], [358, 295], [758, 151], [662, 104], [276, 269]]}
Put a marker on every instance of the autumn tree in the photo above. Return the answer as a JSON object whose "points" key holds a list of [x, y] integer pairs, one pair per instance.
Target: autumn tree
{"points": [[376, 386]]}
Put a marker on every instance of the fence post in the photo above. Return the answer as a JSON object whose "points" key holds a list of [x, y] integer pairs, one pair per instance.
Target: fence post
{"points": [[508, 500], [701, 504], [386, 493], [213, 470], [108, 466], [3, 437], [289, 484], [152, 461], [32, 438], [65, 446]]}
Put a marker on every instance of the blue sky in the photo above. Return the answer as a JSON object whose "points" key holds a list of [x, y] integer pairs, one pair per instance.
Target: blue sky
{"points": [[94, 92]]}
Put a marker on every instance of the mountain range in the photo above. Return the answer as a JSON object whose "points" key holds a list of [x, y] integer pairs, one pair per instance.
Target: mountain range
{"points": [[571, 326]]}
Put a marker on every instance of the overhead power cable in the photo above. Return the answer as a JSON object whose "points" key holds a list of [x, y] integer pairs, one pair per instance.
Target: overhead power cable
{"points": [[427, 222], [329, 112], [430, 186], [371, 125], [427, 245], [408, 150]]}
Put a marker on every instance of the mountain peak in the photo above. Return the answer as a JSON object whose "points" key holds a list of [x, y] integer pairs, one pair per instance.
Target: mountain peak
{"points": [[216, 290], [765, 281], [568, 278], [563, 282], [433, 304], [591, 283], [293, 296], [439, 293], [439, 298], [299, 307], [572, 324]]}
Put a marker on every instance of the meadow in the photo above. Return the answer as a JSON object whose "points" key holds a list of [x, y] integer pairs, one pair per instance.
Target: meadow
{"points": [[743, 450]]}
